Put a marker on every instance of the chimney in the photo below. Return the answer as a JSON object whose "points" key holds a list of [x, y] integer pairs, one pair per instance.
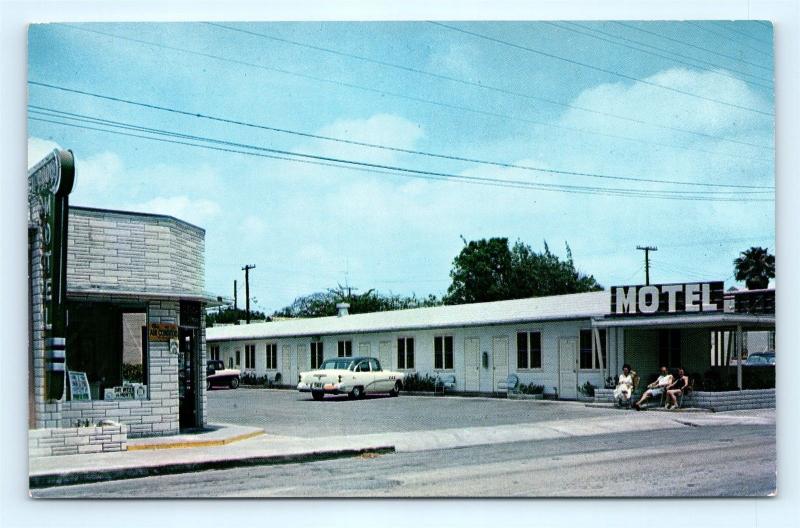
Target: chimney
{"points": [[342, 308]]}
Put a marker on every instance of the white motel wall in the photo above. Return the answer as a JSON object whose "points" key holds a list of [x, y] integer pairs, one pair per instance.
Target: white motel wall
{"points": [[484, 336]]}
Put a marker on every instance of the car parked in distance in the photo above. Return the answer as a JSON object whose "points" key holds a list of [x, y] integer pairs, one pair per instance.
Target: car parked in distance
{"points": [[354, 376], [760, 359], [219, 376]]}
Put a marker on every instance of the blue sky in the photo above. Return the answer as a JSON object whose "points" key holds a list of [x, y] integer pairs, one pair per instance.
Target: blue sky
{"points": [[309, 227]]}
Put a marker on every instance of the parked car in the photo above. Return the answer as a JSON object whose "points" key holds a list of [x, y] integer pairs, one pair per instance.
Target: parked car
{"points": [[219, 376], [758, 359], [354, 376]]}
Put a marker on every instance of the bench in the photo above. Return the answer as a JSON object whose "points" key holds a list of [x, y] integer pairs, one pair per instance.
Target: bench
{"points": [[447, 381], [510, 384]]}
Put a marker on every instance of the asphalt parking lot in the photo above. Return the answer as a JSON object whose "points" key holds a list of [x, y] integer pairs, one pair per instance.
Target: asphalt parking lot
{"points": [[291, 413]]}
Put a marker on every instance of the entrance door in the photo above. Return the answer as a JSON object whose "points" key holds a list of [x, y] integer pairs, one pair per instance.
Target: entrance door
{"points": [[288, 364], [385, 354], [188, 377], [303, 359], [364, 350], [472, 366], [499, 360], [568, 367]]}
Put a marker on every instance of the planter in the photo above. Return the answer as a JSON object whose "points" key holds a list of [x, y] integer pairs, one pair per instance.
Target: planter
{"points": [[517, 396]]}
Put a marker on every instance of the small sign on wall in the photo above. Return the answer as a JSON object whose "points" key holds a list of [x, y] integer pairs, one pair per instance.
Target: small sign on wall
{"points": [[79, 386], [162, 332], [173, 347]]}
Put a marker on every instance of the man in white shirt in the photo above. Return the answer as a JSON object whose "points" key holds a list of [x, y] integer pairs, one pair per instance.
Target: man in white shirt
{"points": [[655, 389]]}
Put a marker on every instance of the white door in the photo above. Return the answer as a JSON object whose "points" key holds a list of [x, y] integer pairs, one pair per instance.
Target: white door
{"points": [[499, 360], [286, 370], [385, 354], [567, 367], [303, 359], [364, 350], [472, 365]]}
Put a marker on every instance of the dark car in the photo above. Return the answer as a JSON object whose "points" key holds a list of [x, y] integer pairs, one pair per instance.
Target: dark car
{"points": [[218, 376], [760, 359]]}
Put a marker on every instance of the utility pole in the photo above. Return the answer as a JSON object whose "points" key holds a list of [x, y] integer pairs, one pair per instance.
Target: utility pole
{"points": [[235, 296], [647, 250], [247, 269]]}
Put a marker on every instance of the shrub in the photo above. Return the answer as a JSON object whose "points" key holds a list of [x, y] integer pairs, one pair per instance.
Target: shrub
{"points": [[611, 383], [531, 388], [249, 378], [415, 382], [132, 373], [587, 389]]}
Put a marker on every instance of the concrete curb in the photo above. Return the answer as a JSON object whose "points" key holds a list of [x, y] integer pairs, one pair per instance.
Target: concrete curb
{"points": [[47, 480], [189, 443]]}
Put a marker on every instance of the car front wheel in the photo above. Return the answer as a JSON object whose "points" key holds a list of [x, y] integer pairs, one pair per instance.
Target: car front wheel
{"points": [[208, 384], [317, 395], [234, 383], [357, 393], [396, 390]]}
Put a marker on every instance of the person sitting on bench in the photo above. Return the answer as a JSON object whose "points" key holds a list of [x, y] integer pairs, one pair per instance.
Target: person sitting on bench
{"points": [[676, 388], [655, 389], [624, 389]]}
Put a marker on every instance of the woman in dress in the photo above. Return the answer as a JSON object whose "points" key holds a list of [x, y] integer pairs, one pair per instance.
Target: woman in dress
{"points": [[624, 390]]}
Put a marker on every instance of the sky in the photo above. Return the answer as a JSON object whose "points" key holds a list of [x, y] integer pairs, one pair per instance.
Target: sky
{"points": [[602, 105]]}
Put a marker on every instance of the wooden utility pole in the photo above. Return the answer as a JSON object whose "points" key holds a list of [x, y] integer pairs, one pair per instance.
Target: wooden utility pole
{"points": [[647, 250], [235, 296], [246, 270]]}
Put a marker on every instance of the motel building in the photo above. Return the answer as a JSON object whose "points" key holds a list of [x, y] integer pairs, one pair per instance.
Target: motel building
{"points": [[117, 328], [560, 342]]}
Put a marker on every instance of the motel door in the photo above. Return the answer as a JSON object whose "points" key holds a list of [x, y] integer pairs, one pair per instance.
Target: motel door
{"points": [[385, 354], [568, 367], [303, 359], [364, 350], [472, 366], [289, 366], [499, 360], [188, 377]]}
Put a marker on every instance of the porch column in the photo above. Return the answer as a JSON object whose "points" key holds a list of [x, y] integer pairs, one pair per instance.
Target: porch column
{"points": [[739, 356]]}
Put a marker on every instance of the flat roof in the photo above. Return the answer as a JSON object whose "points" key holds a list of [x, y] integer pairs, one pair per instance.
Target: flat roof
{"points": [[160, 216], [535, 309], [106, 293]]}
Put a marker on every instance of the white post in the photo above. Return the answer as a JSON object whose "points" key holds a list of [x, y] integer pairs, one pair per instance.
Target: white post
{"points": [[739, 356]]}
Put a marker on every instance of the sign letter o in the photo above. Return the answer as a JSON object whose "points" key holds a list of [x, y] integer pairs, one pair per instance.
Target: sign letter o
{"points": [[648, 299]]}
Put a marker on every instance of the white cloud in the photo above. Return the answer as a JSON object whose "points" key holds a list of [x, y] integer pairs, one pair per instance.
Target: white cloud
{"points": [[195, 211], [38, 148], [381, 129], [457, 59], [96, 174]]}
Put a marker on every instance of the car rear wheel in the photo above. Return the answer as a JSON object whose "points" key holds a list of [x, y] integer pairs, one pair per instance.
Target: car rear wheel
{"points": [[357, 393], [317, 395], [208, 384], [234, 383], [396, 390]]}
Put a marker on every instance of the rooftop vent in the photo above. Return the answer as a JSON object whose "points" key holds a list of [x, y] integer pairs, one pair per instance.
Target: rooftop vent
{"points": [[342, 309]]}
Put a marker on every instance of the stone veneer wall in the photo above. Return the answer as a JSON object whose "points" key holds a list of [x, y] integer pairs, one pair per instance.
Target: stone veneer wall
{"points": [[134, 252], [714, 401], [77, 440]]}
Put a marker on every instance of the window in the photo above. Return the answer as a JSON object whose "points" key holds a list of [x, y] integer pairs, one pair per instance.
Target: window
{"points": [[272, 356], [405, 353], [669, 347], [215, 352], [529, 350], [249, 356], [588, 360], [374, 365], [230, 362], [238, 357], [443, 352], [345, 349], [363, 367], [316, 354]]}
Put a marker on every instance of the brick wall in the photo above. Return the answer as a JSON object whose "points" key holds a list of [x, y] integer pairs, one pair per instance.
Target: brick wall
{"points": [[134, 252], [77, 440]]}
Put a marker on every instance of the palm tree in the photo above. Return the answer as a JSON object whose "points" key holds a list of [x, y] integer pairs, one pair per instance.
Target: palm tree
{"points": [[756, 267]]}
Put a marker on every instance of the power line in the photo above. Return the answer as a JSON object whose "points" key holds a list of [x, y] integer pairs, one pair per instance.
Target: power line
{"points": [[603, 70], [639, 43], [442, 104], [728, 37], [475, 84], [428, 175], [398, 149], [713, 52], [728, 27]]}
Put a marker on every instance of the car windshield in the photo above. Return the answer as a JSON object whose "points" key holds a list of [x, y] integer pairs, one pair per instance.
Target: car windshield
{"points": [[336, 363], [760, 359]]}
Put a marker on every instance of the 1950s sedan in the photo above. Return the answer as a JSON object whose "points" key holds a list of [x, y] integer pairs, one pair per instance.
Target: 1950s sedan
{"points": [[354, 376]]}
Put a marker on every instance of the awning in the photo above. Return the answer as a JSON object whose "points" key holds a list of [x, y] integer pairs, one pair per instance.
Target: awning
{"points": [[701, 320], [111, 294]]}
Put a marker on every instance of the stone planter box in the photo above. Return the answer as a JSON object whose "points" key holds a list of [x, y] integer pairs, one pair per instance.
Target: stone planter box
{"points": [[77, 440], [714, 401]]}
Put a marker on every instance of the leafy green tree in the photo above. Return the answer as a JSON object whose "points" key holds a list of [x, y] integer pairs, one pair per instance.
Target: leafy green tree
{"points": [[232, 315], [322, 304], [755, 266], [487, 270]]}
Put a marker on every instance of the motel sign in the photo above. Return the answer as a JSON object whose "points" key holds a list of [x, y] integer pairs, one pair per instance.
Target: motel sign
{"points": [[667, 298]]}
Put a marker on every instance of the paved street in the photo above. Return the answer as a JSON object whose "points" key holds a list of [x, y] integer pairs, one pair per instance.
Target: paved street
{"points": [[696, 461], [293, 413]]}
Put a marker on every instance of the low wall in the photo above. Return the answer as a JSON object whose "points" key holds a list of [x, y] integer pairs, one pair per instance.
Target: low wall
{"points": [[715, 401], [77, 440], [143, 417]]}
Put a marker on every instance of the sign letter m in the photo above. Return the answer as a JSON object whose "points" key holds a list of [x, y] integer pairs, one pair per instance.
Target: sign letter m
{"points": [[626, 300]]}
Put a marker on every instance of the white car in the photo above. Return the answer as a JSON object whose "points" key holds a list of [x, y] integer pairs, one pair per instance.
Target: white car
{"points": [[354, 376]]}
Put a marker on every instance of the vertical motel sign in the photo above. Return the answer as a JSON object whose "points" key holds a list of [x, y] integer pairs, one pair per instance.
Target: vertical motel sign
{"points": [[49, 185]]}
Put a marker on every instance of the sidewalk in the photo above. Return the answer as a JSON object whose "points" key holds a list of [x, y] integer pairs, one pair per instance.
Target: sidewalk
{"points": [[229, 446]]}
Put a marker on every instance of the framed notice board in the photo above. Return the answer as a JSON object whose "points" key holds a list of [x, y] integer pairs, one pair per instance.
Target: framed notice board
{"points": [[79, 386]]}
